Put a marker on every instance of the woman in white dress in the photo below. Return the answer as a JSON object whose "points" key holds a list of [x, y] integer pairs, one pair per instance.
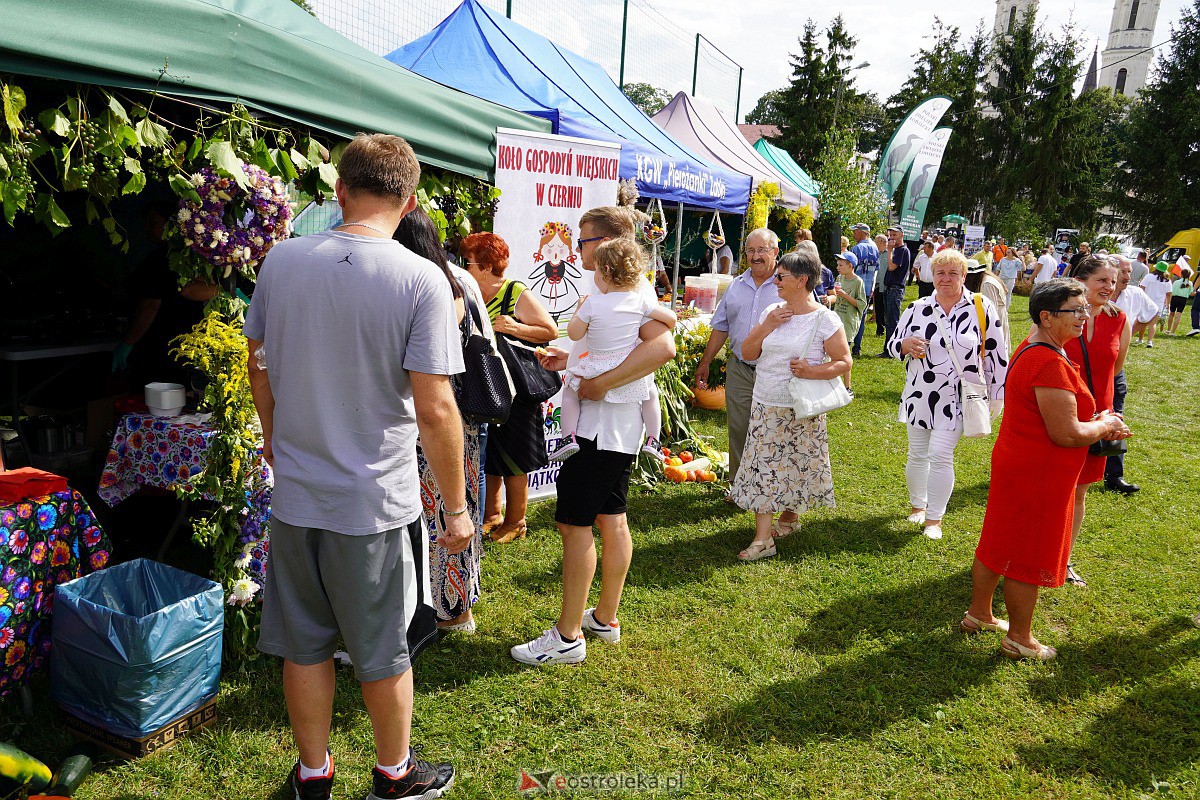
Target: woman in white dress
{"points": [[785, 465]]}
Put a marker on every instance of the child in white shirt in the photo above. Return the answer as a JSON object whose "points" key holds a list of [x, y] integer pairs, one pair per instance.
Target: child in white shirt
{"points": [[611, 321]]}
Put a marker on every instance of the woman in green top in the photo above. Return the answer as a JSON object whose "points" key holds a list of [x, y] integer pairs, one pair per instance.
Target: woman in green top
{"points": [[849, 298], [519, 445], [1181, 290]]}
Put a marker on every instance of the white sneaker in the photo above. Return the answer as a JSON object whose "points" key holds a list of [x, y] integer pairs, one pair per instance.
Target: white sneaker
{"points": [[917, 518], [568, 448], [933, 531], [610, 633], [549, 648], [1193, 332], [1149, 344]]}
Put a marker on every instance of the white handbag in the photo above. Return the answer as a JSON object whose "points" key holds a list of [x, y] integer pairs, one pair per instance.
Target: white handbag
{"points": [[812, 397], [973, 396]]}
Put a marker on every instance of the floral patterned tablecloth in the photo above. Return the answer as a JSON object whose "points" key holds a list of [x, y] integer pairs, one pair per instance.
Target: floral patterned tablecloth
{"points": [[162, 452], [44, 541]]}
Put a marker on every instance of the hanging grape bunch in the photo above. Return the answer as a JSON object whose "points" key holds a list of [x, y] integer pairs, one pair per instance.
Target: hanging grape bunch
{"points": [[14, 170]]}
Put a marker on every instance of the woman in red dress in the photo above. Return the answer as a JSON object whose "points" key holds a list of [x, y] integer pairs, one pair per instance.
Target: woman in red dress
{"points": [[1107, 338], [1049, 421]]}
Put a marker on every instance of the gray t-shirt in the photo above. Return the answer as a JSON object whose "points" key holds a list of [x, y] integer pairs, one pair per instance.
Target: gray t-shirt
{"points": [[344, 319]]}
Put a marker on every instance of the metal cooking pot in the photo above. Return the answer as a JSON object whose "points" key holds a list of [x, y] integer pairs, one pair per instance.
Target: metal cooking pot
{"points": [[47, 435]]}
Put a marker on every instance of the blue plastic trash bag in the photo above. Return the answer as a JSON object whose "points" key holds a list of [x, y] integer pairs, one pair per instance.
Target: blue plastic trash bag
{"points": [[136, 646]]}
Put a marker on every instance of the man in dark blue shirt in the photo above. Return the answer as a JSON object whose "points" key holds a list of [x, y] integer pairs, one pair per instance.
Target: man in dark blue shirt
{"points": [[899, 264]]}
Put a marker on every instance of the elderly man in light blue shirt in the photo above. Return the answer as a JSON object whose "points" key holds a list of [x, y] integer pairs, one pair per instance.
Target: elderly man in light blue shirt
{"points": [[750, 294]]}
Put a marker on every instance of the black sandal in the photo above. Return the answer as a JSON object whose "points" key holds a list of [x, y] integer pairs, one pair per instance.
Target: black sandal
{"points": [[1074, 578]]}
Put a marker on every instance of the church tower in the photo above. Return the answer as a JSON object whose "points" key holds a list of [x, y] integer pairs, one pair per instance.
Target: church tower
{"points": [[1010, 12], [1126, 60]]}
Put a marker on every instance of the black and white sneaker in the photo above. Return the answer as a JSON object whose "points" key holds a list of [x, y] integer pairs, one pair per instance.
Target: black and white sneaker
{"points": [[653, 448], [312, 788], [1193, 332], [566, 449], [421, 781], [550, 648]]}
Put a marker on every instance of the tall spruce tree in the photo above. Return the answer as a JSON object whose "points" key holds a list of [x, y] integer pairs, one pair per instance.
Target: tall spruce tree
{"points": [[1050, 137], [821, 94], [1015, 58], [1159, 193]]}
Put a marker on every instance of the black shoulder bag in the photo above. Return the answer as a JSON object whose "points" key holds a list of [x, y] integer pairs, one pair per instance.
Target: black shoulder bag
{"points": [[530, 379], [1104, 447], [484, 391]]}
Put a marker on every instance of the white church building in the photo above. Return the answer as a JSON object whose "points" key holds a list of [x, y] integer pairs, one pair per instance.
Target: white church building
{"points": [[1125, 63]]}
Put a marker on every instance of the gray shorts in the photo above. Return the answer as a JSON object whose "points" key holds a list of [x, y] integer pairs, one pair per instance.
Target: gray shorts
{"points": [[320, 584]]}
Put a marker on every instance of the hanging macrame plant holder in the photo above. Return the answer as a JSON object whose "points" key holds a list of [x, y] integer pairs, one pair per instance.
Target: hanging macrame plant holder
{"points": [[655, 229], [715, 238]]}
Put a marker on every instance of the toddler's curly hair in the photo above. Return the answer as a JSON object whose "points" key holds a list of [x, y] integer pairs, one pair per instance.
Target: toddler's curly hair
{"points": [[621, 262]]}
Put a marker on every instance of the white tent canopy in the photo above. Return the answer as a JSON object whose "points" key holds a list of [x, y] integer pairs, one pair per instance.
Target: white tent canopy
{"points": [[699, 126]]}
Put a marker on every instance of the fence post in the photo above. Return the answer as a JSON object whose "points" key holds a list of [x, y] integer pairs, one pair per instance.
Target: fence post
{"points": [[695, 64], [508, 9], [624, 31], [737, 106]]}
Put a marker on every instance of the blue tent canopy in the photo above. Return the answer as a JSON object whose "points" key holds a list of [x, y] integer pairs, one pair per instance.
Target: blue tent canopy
{"points": [[485, 54]]}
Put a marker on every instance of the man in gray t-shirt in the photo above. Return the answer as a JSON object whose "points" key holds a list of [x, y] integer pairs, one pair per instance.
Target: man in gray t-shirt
{"points": [[359, 338]]}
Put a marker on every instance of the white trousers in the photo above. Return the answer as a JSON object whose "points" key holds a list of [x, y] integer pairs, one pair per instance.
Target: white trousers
{"points": [[930, 469]]}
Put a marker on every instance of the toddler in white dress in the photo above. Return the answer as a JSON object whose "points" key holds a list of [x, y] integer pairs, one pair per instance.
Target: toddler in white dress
{"points": [[611, 320]]}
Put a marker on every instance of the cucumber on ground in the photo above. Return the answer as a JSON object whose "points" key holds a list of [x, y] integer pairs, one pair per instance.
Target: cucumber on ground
{"points": [[19, 766], [70, 773]]}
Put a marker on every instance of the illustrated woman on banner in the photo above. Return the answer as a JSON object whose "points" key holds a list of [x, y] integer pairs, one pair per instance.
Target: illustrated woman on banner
{"points": [[555, 273]]}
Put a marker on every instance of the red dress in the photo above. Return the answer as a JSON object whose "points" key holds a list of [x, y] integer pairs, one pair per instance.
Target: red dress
{"points": [[1103, 350], [1031, 500]]}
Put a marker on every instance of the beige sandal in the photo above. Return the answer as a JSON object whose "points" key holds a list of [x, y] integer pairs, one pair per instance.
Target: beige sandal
{"points": [[758, 550], [784, 528], [979, 626], [1017, 651]]}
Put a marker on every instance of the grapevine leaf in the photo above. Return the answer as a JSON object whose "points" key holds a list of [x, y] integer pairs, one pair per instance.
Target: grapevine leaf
{"points": [[314, 151], [13, 99], [126, 136], [335, 155], [139, 110], [226, 162], [3, 163], [262, 156], [300, 161], [90, 212], [135, 184], [133, 166], [117, 109], [110, 225], [328, 175], [14, 199], [194, 150], [152, 134], [50, 214], [182, 186], [285, 166], [54, 120]]}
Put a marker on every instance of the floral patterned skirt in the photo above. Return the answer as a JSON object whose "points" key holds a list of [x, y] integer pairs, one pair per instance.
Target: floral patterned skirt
{"points": [[785, 465], [454, 578]]}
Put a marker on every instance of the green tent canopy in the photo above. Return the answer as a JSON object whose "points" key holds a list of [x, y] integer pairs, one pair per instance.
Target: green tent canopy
{"points": [[267, 54], [786, 165], [956, 219]]}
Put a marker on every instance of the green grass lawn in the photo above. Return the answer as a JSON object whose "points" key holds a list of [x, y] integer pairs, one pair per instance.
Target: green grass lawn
{"points": [[833, 670]]}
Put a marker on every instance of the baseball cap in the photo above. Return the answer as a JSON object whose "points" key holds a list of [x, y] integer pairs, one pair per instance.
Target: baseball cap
{"points": [[895, 228], [861, 226], [848, 256]]}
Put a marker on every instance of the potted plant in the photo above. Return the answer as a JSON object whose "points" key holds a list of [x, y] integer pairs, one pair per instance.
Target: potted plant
{"points": [[690, 344]]}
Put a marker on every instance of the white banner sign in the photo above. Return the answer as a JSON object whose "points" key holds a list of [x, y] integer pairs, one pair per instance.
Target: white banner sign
{"points": [[906, 142], [972, 239], [546, 183]]}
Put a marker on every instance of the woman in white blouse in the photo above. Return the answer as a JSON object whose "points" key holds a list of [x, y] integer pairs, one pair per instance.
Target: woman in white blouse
{"points": [[930, 403], [785, 465]]}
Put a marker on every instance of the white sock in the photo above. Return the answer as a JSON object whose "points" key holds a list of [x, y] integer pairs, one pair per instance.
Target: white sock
{"points": [[307, 773], [397, 771]]}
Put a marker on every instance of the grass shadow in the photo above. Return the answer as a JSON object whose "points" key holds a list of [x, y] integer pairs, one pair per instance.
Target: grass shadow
{"points": [[1153, 732], [926, 665]]}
